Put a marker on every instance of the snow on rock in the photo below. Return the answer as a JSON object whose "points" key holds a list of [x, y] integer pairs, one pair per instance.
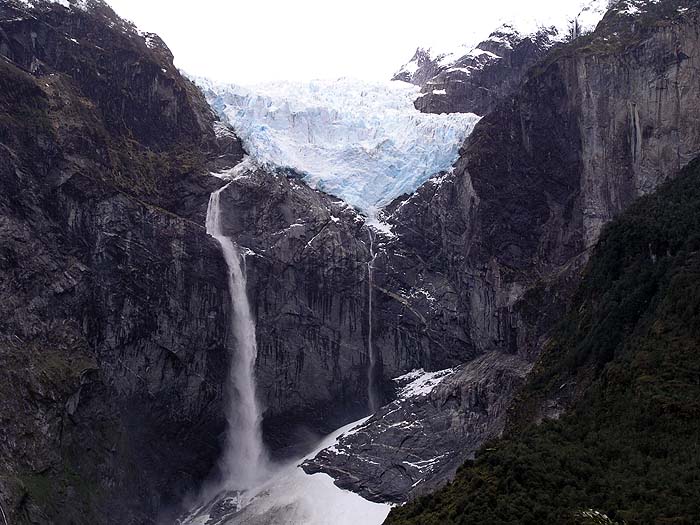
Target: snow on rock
{"points": [[420, 383], [416, 442], [362, 142], [590, 15], [80, 4], [557, 21], [634, 7], [292, 496]]}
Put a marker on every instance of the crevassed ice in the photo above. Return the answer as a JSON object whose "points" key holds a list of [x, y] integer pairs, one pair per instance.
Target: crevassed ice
{"points": [[362, 142]]}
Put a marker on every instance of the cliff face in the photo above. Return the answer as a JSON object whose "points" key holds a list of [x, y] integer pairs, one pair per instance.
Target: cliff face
{"points": [[549, 166], [624, 362], [114, 299], [420, 69], [483, 258], [308, 275], [440, 419], [477, 81], [115, 305], [486, 258]]}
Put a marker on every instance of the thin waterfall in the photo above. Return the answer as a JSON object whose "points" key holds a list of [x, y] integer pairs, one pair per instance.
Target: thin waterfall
{"points": [[371, 370], [244, 463]]}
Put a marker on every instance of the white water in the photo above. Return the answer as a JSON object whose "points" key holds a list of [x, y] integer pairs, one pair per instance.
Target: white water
{"points": [[293, 497], [371, 371], [244, 464], [4, 518]]}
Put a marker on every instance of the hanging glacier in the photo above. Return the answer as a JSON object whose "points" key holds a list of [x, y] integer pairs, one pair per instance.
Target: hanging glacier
{"points": [[362, 142]]}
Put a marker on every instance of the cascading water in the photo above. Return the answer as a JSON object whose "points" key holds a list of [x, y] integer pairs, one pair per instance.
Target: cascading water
{"points": [[256, 490], [244, 463], [372, 369]]}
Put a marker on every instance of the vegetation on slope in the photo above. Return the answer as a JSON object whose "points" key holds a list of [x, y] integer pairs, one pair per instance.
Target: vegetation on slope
{"points": [[628, 352]]}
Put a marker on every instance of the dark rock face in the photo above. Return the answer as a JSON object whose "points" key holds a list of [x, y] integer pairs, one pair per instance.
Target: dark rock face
{"points": [[115, 305], [306, 270], [107, 60], [485, 258], [477, 82], [546, 169], [112, 331], [420, 69], [308, 283], [417, 442]]}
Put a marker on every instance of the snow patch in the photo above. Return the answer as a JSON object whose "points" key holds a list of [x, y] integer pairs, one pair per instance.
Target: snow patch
{"points": [[80, 4], [466, 70], [480, 52], [151, 40], [634, 7], [555, 19], [421, 383], [426, 464]]}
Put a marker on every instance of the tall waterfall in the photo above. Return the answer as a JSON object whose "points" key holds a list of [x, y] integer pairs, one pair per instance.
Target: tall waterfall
{"points": [[372, 369], [245, 461]]}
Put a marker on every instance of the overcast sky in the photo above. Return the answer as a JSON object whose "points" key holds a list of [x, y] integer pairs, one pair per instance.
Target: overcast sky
{"points": [[248, 41]]}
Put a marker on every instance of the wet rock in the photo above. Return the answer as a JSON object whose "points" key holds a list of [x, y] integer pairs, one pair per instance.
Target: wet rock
{"points": [[112, 323], [415, 444]]}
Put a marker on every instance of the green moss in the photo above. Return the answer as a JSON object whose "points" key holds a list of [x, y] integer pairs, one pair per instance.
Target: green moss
{"points": [[23, 107], [50, 490]]}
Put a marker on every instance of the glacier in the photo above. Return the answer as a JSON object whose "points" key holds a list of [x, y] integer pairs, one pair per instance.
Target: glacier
{"points": [[362, 142]]}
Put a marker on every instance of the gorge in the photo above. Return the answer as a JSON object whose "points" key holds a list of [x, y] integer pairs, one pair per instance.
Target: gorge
{"points": [[426, 300]]}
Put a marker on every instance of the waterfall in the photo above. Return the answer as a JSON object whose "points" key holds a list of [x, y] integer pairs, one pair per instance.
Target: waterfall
{"points": [[371, 370], [245, 462]]}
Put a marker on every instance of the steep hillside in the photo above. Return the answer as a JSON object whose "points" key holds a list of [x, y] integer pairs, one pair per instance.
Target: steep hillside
{"points": [[626, 356], [598, 123], [112, 321]]}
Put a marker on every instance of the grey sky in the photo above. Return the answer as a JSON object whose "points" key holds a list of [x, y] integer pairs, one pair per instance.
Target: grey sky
{"points": [[259, 40]]}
